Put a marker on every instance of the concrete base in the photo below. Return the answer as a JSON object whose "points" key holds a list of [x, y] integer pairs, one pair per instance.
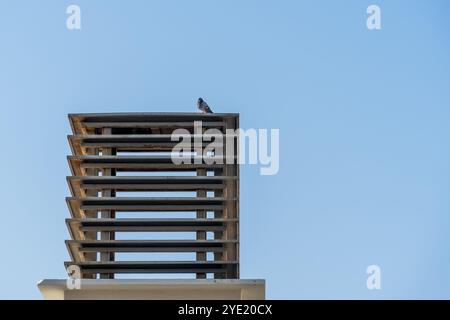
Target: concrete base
{"points": [[155, 289]]}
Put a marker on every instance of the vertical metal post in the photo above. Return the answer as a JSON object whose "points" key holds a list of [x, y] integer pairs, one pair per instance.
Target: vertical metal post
{"points": [[107, 214]]}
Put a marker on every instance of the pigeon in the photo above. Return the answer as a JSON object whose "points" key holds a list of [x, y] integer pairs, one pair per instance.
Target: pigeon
{"points": [[203, 106]]}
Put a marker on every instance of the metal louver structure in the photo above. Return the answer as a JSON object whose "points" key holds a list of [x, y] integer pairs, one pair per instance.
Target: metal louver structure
{"points": [[120, 164]]}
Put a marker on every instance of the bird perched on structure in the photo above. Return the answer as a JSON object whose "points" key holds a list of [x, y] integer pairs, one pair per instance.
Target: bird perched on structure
{"points": [[203, 106]]}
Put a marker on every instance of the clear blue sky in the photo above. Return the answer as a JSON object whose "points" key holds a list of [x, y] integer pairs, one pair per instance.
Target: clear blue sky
{"points": [[363, 116]]}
